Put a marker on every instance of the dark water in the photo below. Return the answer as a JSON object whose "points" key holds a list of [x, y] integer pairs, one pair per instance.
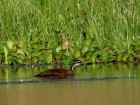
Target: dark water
{"points": [[108, 84]]}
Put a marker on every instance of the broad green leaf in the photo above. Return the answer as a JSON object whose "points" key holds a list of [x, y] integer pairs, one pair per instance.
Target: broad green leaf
{"points": [[85, 49], [71, 50], [58, 49], [87, 41], [21, 56], [6, 54], [21, 44], [37, 46], [67, 53], [10, 44], [36, 53], [35, 59], [93, 58], [20, 51], [125, 57], [77, 54], [47, 57]]}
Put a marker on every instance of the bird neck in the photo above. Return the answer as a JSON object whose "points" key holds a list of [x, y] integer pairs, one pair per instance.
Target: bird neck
{"points": [[73, 67]]}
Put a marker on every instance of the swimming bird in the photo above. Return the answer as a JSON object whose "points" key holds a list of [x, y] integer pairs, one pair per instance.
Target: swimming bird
{"points": [[60, 73]]}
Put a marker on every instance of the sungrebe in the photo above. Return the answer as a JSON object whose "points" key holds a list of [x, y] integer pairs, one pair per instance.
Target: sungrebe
{"points": [[60, 73]]}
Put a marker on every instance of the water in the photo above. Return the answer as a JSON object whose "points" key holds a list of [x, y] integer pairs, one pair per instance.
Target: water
{"points": [[107, 84]]}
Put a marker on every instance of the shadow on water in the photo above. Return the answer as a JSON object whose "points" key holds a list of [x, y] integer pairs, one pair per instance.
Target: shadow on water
{"points": [[106, 84]]}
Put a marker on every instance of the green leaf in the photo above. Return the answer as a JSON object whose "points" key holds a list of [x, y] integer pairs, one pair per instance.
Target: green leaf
{"points": [[125, 57], [71, 50], [46, 57], [10, 44], [6, 54], [36, 46], [67, 53], [93, 58], [85, 49], [35, 59], [21, 52], [77, 54], [36, 53], [49, 57], [87, 41], [58, 49]]}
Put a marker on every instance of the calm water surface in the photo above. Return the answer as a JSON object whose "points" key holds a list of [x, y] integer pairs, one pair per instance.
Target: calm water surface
{"points": [[92, 85]]}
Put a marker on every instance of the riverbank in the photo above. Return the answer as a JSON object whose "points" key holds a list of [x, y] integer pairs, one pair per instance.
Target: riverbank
{"points": [[89, 30]]}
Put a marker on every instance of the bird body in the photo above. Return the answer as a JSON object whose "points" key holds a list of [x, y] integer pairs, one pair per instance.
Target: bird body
{"points": [[59, 73], [55, 72]]}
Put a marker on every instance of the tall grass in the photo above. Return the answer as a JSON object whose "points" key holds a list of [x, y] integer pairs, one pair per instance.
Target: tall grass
{"points": [[112, 23]]}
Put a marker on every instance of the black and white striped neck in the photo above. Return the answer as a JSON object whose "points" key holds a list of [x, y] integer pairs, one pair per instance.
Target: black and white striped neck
{"points": [[76, 63]]}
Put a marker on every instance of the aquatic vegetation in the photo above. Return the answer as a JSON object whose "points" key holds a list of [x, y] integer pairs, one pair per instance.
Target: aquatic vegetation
{"points": [[95, 31]]}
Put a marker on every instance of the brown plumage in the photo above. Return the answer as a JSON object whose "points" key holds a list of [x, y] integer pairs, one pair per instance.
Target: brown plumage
{"points": [[59, 73]]}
